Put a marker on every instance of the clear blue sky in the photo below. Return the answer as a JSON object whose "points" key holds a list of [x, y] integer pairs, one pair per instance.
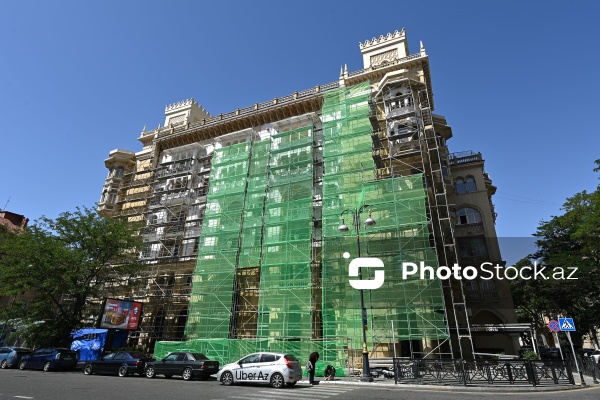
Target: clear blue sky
{"points": [[517, 80]]}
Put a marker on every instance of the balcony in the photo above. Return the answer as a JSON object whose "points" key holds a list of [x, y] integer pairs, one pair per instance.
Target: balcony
{"points": [[481, 295], [396, 111], [469, 229], [464, 157], [178, 198]]}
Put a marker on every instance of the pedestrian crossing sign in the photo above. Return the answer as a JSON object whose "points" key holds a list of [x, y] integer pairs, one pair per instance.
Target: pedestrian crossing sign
{"points": [[566, 324]]}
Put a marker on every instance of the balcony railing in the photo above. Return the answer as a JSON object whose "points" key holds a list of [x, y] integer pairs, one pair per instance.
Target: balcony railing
{"points": [[463, 229], [481, 295], [464, 157]]}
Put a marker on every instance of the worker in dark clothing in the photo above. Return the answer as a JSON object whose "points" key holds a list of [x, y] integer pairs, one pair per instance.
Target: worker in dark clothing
{"points": [[312, 362]]}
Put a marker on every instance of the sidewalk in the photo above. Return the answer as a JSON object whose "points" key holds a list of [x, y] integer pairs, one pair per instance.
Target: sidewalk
{"points": [[389, 384]]}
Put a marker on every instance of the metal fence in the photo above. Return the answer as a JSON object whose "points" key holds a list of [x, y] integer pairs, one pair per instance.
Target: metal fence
{"points": [[586, 365], [477, 372]]}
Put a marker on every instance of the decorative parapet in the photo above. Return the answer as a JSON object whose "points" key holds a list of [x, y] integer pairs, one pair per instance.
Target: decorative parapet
{"points": [[180, 104], [384, 50], [383, 39], [160, 133]]}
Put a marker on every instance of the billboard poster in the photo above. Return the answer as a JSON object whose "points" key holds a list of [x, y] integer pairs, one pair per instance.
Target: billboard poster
{"points": [[121, 314]]}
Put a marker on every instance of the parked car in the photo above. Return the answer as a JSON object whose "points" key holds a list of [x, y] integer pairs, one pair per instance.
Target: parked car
{"points": [[10, 356], [584, 352], [549, 353], [277, 369], [50, 358], [184, 364], [120, 363]]}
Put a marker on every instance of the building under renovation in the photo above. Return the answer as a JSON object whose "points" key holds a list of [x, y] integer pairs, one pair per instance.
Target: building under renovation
{"points": [[242, 212]]}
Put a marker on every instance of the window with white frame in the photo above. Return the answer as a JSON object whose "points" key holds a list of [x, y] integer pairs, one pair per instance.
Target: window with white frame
{"points": [[468, 215]]}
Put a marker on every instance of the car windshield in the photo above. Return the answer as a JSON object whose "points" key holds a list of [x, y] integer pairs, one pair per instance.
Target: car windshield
{"points": [[199, 356], [291, 357], [109, 356]]}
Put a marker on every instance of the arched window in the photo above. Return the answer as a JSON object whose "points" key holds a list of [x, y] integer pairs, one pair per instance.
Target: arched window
{"points": [[459, 185], [468, 215], [470, 185]]}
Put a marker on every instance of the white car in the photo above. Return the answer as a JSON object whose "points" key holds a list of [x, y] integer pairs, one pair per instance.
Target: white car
{"points": [[276, 369], [596, 356]]}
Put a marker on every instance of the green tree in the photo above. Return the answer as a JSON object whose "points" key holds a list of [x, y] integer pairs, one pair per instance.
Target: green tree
{"points": [[532, 299], [570, 240], [58, 270]]}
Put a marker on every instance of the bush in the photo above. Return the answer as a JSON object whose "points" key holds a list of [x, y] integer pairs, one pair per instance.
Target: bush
{"points": [[530, 355]]}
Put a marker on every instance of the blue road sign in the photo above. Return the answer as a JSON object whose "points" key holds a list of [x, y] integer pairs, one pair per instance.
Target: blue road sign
{"points": [[566, 324]]}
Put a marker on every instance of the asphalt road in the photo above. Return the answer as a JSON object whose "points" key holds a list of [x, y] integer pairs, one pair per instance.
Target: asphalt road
{"points": [[17, 384]]}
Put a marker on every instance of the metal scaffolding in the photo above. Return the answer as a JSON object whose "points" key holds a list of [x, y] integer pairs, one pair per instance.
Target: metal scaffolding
{"points": [[241, 236]]}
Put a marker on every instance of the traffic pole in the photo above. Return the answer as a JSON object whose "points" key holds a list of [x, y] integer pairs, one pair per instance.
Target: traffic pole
{"points": [[575, 357]]}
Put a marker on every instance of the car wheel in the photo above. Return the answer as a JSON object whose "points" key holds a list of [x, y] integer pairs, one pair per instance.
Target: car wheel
{"points": [[290, 384], [277, 380], [123, 371], [4, 364], [227, 378], [150, 373], [187, 374], [22, 364], [87, 369], [47, 366]]}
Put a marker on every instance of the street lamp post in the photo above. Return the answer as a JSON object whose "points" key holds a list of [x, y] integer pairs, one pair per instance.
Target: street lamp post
{"points": [[366, 373]]}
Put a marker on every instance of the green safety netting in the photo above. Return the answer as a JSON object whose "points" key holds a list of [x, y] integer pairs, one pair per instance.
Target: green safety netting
{"points": [[414, 307], [256, 286]]}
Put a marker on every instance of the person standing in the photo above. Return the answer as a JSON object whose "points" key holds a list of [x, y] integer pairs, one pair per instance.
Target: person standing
{"points": [[312, 361]]}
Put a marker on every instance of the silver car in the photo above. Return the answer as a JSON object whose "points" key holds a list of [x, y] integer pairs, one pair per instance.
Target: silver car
{"points": [[276, 369]]}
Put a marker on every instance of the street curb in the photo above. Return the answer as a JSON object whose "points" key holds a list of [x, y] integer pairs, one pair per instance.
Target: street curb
{"points": [[425, 387]]}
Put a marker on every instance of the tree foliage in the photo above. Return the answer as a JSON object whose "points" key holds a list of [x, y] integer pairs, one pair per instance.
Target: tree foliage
{"points": [[57, 270], [570, 240]]}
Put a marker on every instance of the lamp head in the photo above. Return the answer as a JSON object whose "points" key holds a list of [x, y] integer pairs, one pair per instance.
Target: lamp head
{"points": [[343, 227], [369, 221]]}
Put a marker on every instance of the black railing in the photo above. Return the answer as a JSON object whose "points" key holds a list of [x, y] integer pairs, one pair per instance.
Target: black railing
{"points": [[464, 157], [477, 372], [587, 365]]}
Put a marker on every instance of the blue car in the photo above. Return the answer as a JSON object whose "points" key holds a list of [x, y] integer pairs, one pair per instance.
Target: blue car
{"points": [[49, 359], [10, 356]]}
